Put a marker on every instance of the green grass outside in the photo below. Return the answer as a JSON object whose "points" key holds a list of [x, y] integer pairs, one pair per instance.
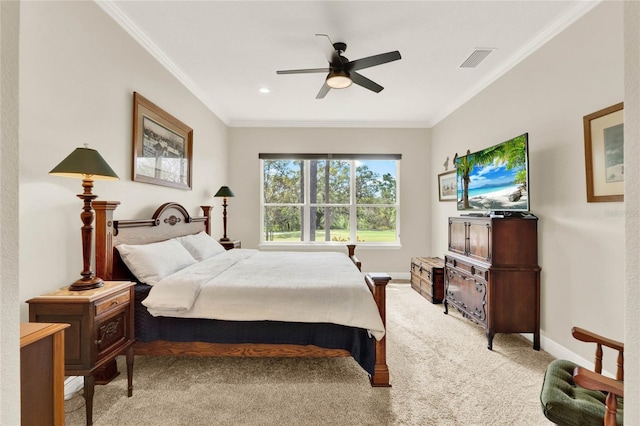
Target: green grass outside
{"points": [[367, 236]]}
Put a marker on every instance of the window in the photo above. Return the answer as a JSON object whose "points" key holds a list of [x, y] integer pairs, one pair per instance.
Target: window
{"points": [[323, 199]]}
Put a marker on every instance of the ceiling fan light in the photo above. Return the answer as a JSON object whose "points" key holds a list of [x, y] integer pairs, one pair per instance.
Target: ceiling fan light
{"points": [[338, 80]]}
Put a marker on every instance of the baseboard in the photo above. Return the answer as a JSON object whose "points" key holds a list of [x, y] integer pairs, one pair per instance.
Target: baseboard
{"points": [[400, 275], [560, 352], [72, 385]]}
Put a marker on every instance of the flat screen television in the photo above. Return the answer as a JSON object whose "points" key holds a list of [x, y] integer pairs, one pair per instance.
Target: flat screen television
{"points": [[496, 179]]}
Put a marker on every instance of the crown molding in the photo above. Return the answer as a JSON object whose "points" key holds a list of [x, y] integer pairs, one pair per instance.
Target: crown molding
{"points": [[111, 9], [334, 124], [552, 30]]}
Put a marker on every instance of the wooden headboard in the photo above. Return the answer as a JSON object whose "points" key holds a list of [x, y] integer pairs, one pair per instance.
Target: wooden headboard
{"points": [[169, 220]]}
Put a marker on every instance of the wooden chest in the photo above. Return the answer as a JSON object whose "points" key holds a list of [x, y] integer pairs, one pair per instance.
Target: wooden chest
{"points": [[427, 277]]}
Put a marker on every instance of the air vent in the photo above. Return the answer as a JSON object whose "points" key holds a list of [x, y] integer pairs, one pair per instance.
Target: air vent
{"points": [[475, 58]]}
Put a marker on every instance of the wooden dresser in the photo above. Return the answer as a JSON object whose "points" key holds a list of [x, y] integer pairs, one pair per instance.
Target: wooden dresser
{"points": [[492, 275], [42, 374], [101, 328], [427, 277]]}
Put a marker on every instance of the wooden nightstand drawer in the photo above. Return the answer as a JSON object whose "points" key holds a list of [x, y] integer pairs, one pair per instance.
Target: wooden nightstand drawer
{"points": [[112, 303], [112, 333]]}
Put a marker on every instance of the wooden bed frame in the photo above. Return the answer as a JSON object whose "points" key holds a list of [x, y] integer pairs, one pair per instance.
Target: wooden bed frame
{"points": [[172, 220]]}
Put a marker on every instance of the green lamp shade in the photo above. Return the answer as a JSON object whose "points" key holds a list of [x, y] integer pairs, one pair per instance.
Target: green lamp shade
{"points": [[83, 163], [224, 191]]}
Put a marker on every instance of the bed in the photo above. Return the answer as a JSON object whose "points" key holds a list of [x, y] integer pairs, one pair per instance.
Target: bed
{"points": [[182, 331]]}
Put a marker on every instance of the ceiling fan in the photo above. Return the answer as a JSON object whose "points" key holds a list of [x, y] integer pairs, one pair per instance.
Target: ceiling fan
{"points": [[342, 71]]}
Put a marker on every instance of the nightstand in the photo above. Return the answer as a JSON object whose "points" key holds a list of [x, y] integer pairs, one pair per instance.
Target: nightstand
{"points": [[230, 244], [101, 328]]}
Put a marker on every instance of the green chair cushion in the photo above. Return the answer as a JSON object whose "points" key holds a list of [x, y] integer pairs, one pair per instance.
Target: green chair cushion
{"points": [[565, 403]]}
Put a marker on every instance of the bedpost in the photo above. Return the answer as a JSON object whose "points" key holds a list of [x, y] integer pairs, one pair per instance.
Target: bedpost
{"points": [[207, 213], [104, 234], [378, 284], [352, 256]]}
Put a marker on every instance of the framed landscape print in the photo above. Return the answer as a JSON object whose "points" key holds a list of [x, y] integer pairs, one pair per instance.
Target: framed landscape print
{"points": [[447, 189], [604, 154], [162, 146]]}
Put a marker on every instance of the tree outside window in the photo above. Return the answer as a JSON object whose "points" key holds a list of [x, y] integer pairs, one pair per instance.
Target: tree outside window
{"points": [[329, 200]]}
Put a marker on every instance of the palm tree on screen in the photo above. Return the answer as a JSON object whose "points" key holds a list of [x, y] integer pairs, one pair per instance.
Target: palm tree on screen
{"points": [[512, 153]]}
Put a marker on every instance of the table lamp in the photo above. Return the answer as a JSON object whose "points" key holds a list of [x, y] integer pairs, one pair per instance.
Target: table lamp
{"points": [[224, 192], [86, 164]]}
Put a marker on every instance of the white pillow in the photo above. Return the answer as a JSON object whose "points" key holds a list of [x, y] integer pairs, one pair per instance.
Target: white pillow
{"points": [[201, 246], [152, 262]]}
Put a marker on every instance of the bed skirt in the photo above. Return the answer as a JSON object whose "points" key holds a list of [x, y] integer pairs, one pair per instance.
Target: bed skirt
{"points": [[356, 341]]}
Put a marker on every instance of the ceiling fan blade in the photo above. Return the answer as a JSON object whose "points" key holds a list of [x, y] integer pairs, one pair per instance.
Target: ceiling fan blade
{"points": [[304, 71], [363, 81], [323, 91], [371, 61]]}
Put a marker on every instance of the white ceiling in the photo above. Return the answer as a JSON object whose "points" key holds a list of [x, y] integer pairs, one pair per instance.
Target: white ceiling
{"points": [[225, 51]]}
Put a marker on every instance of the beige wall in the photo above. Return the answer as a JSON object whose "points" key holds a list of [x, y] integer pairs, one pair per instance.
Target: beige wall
{"points": [[415, 189], [581, 245], [9, 136], [632, 208], [78, 70]]}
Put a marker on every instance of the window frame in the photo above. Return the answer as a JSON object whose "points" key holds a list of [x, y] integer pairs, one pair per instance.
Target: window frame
{"points": [[306, 206]]}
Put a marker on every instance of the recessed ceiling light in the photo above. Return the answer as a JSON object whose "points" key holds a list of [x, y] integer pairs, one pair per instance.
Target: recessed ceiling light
{"points": [[264, 90]]}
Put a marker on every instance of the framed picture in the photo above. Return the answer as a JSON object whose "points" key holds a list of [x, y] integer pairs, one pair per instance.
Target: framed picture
{"points": [[162, 146], [604, 154], [447, 188]]}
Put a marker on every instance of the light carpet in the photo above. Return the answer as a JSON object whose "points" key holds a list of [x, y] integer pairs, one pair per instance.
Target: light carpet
{"points": [[441, 371]]}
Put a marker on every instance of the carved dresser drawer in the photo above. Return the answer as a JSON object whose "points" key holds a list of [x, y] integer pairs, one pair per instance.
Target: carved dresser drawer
{"points": [[427, 277], [466, 289]]}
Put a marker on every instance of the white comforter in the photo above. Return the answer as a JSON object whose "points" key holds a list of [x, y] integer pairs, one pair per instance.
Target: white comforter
{"points": [[249, 285]]}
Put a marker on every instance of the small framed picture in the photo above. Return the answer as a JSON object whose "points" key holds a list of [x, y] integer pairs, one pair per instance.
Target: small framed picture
{"points": [[162, 146], [604, 154], [447, 188]]}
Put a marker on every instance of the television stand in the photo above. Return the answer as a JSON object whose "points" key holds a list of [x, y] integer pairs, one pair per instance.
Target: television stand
{"points": [[492, 276]]}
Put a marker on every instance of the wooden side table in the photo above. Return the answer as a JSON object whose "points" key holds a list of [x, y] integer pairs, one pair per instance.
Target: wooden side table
{"points": [[230, 244], [101, 328], [42, 374]]}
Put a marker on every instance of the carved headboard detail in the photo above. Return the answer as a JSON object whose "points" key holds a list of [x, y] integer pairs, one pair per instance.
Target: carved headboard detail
{"points": [[170, 220]]}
